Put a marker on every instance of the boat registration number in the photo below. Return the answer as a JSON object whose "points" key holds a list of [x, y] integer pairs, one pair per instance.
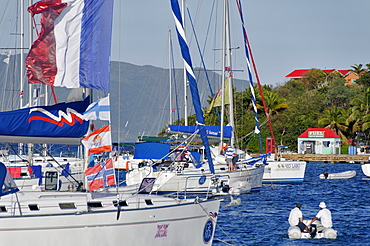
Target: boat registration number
{"points": [[290, 165]]}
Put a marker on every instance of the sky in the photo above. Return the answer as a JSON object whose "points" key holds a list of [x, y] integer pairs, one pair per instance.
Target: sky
{"points": [[284, 34]]}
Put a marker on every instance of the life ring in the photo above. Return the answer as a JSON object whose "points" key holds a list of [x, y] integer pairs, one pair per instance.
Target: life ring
{"points": [[127, 168]]}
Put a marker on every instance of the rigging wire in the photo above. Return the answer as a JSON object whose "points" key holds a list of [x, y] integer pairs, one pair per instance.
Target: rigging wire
{"points": [[202, 59], [174, 82], [238, 2]]}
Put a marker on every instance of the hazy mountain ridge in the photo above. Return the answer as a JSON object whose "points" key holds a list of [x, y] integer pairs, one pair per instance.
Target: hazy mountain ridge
{"points": [[139, 95]]}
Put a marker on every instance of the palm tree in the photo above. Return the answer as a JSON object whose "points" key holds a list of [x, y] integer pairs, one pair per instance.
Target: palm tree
{"points": [[335, 120], [360, 113], [274, 103], [358, 69]]}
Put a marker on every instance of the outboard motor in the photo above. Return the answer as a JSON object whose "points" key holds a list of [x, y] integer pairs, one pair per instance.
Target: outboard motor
{"points": [[226, 188], [326, 175], [313, 231]]}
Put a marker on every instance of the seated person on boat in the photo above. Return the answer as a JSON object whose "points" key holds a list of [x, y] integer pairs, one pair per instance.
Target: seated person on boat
{"points": [[296, 217]]}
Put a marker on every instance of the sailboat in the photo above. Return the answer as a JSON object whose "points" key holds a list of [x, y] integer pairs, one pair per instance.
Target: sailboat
{"points": [[277, 171], [50, 217], [16, 159], [201, 172]]}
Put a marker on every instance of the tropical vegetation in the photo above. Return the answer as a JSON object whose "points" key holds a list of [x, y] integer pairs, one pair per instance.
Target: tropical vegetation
{"points": [[319, 100]]}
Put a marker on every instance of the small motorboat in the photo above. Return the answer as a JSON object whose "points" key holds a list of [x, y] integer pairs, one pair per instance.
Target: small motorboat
{"points": [[342, 175], [317, 231]]}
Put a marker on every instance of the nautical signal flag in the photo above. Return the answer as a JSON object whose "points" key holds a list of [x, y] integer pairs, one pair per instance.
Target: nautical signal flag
{"points": [[98, 141], [101, 175]]}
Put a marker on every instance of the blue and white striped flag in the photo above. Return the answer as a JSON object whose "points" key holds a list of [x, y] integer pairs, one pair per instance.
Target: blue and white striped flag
{"points": [[191, 78], [99, 110], [257, 128]]}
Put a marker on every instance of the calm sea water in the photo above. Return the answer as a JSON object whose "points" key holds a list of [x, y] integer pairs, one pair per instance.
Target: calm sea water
{"points": [[261, 219]]}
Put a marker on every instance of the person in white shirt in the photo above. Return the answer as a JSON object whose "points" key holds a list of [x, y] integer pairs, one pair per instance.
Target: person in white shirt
{"points": [[296, 217], [324, 215]]}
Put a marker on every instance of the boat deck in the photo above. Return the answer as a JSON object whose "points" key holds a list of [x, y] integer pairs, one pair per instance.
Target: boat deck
{"points": [[328, 158]]}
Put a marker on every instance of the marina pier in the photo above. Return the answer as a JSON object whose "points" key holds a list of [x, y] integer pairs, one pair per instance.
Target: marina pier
{"points": [[343, 158]]}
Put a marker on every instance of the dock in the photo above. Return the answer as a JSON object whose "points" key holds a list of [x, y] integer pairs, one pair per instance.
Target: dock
{"points": [[327, 158]]}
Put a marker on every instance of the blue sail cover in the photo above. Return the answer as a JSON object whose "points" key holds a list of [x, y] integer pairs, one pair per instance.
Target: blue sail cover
{"points": [[155, 151], [7, 184], [212, 131], [63, 120]]}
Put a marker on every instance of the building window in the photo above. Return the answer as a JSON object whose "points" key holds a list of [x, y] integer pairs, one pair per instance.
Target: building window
{"points": [[326, 143]]}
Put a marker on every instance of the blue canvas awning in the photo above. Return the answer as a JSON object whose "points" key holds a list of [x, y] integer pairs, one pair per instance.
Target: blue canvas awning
{"points": [[151, 151], [212, 131]]}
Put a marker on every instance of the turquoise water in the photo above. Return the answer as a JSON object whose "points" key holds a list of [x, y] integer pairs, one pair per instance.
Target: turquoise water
{"points": [[261, 219]]}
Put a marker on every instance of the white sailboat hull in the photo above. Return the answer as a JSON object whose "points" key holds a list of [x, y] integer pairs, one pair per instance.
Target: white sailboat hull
{"points": [[163, 223], [284, 172], [195, 182]]}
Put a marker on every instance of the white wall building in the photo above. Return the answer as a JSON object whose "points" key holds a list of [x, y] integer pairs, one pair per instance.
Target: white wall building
{"points": [[319, 141]]}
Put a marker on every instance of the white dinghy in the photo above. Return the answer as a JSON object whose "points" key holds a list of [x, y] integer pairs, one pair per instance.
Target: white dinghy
{"points": [[342, 175], [366, 169], [320, 232]]}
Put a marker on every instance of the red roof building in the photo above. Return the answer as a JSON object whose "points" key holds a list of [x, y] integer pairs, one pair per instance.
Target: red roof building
{"points": [[348, 75], [301, 73], [319, 133], [319, 141]]}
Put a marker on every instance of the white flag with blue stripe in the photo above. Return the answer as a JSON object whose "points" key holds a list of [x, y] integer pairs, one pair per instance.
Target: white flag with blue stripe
{"points": [[99, 110]]}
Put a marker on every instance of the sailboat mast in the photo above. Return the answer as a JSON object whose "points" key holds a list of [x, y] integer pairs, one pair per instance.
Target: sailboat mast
{"points": [[226, 74], [22, 65], [170, 73], [184, 70], [30, 37], [222, 121], [229, 71]]}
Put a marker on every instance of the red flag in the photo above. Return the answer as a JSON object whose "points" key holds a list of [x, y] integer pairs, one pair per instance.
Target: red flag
{"points": [[98, 141], [41, 60], [15, 172]]}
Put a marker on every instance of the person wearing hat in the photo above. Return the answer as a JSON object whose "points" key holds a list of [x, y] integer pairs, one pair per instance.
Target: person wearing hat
{"points": [[296, 217], [324, 215]]}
